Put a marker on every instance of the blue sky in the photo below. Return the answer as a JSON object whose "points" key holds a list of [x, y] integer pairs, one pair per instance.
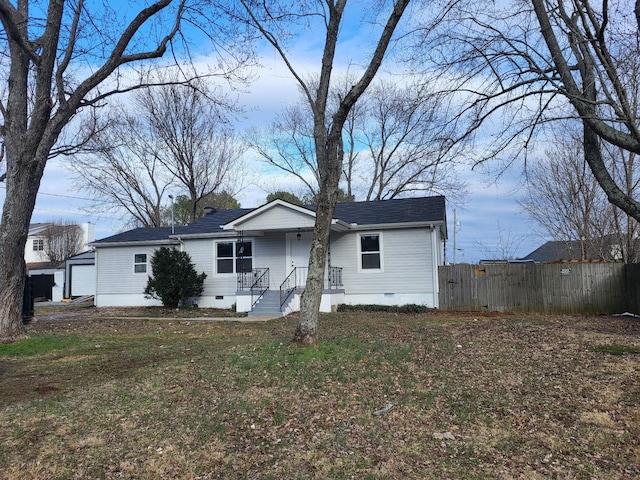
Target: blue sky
{"points": [[490, 218]]}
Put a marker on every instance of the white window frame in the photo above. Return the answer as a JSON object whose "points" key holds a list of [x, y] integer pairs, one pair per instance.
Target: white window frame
{"points": [[234, 258], [38, 244], [137, 263], [360, 253]]}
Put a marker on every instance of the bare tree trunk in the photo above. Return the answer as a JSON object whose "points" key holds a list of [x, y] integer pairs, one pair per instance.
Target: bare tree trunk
{"points": [[41, 98], [329, 156], [327, 135], [23, 180], [22, 187], [307, 329]]}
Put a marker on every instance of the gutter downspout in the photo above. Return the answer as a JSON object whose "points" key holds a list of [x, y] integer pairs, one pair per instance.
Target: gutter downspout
{"points": [[435, 249]]}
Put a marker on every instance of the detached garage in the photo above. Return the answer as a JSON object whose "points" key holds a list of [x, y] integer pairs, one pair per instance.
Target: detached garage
{"points": [[80, 273]]}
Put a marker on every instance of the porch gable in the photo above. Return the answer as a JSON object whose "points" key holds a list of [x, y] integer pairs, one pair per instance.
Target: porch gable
{"points": [[276, 215], [280, 215]]}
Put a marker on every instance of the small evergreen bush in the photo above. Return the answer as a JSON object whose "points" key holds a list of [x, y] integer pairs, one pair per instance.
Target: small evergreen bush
{"points": [[175, 280]]}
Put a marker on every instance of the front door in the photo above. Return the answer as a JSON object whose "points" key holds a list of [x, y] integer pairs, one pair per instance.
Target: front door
{"points": [[298, 248]]}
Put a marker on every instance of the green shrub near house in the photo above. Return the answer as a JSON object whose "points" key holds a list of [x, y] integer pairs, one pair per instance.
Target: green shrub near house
{"points": [[175, 281]]}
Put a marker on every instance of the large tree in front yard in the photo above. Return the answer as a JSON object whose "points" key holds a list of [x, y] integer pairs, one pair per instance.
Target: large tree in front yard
{"points": [[329, 20], [41, 99], [58, 58]]}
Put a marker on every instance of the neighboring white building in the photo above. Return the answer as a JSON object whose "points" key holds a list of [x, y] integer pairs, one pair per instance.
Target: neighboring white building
{"points": [[382, 252], [34, 250], [49, 280]]}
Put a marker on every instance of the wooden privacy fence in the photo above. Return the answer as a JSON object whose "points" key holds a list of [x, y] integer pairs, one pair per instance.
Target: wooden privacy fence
{"points": [[572, 288]]}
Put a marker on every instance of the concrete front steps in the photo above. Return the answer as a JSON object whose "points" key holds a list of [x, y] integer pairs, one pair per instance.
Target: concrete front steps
{"points": [[268, 305]]}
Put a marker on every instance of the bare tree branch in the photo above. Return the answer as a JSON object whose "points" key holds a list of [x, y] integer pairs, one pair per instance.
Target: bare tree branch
{"points": [[522, 68], [171, 136], [62, 239]]}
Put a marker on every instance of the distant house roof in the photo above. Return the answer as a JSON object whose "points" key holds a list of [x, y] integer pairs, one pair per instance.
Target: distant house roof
{"points": [[381, 212], [38, 228], [42, 266], [88, 255], [604, 249], [555, 251]]}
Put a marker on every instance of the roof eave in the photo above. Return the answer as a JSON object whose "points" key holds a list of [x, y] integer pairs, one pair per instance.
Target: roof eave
{"points": [[386, 226], [134, 243], [338, 225], [225, 234]]}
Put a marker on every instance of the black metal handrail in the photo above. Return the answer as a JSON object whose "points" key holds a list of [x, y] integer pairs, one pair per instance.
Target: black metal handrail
{"points": [[334, 277], [259, 286], [298, 278], [288, 286], [247, 279]]}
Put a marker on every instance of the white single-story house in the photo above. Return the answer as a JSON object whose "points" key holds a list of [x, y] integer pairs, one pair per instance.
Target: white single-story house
{"points": [[383, 252]]}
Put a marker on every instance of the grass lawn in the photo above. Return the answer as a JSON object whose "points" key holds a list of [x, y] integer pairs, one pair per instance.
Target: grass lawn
{"points": [[383, 396]]}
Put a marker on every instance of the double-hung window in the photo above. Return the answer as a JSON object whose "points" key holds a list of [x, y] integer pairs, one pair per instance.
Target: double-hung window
{"points": [[234, 257], [140, 263], [38, 244], [370, 251]]}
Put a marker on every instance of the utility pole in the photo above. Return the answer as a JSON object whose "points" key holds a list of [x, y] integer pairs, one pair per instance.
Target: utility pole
{"points": [[455, 231], [173, 223]]}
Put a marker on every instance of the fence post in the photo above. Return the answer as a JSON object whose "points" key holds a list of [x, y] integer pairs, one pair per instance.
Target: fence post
{"points": [[27, 301]]}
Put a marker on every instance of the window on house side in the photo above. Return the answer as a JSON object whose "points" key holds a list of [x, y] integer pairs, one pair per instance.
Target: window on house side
{"points": [[370, 252], [38, 244], [244, 257], [234, 257], [225, 257], [140, 263]]}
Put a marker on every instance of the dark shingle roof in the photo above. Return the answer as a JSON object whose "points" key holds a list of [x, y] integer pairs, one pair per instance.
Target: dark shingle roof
{"points": [[554, 251], [212, 222], [607, 248], [399, 210], [139, 235], [405, 210]]}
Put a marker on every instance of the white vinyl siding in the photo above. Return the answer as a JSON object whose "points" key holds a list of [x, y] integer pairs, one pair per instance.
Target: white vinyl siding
{"points": [[270, 252], [267, 252], [408, 263], [115, 272], [283, 217], [202, 253]]}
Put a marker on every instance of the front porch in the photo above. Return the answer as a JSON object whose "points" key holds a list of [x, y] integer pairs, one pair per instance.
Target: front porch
{"points": [[256, 295]]}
